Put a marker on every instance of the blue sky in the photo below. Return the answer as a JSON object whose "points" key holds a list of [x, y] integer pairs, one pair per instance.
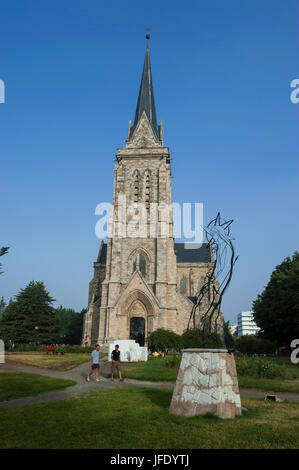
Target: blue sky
{"points": [[222, 73]]}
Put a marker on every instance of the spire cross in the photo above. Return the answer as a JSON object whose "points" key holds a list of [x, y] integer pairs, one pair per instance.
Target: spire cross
{"points": [[148, 38]]}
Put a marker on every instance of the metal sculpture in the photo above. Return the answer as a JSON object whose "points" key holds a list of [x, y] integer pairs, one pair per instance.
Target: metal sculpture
{"points": [[218, 277]]}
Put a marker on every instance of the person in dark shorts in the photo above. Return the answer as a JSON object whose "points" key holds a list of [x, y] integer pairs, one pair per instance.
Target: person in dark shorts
{"points": [[95, 363], [115, 364]]}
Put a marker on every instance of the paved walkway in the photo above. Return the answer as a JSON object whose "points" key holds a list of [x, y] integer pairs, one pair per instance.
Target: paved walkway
{"points": [[78, 374]]}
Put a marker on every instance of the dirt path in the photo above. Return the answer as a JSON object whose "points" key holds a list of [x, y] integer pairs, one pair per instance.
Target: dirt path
{"points": [[78, 374]]}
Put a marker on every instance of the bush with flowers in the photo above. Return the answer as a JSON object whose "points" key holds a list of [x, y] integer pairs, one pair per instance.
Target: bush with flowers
{"points": [[262, 368]]}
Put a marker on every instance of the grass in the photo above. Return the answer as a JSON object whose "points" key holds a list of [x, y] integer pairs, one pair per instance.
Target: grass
{"points": [[139, 418], [270, 385], [156, 370], [44, 361], [18, 384]]}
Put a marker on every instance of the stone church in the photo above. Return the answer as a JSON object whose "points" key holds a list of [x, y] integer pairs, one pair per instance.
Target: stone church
{"points": [[141, 284]]}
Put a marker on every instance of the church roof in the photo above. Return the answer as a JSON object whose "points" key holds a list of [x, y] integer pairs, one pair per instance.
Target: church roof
{"points": [[146, 99], [183, 254], [192, 255]]}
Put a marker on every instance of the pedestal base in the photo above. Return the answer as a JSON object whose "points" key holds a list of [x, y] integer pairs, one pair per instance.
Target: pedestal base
{"points": [[206, 383]]}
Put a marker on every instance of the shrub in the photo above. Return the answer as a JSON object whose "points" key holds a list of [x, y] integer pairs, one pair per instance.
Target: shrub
{"points": [[161, 340], [79, 349], [197, 338], [30, 347], [258, 367], [253, 344]]}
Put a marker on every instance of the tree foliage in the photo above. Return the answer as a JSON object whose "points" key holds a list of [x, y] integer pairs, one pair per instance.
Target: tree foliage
{"points": [[3, 252], [30, 318], [2, 306], [161, 340], [196, 338], [276, 309], [70, 325], [254, 344]]}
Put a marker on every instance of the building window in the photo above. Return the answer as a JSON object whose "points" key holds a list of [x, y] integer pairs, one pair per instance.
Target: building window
{"points": [[136, 186], [183, 286], [147, 190], [140, 264]]}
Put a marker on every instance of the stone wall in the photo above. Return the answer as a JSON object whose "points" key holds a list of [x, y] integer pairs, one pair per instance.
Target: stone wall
{"points": [[206, 383]]}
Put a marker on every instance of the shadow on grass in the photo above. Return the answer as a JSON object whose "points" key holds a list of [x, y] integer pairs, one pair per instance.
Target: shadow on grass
{"points": [[161, 398]]}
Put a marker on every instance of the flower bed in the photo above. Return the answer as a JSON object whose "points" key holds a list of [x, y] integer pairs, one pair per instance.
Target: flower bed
{"points": [[262, 368]]}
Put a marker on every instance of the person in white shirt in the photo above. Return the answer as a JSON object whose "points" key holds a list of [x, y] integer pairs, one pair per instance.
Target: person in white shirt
{"points": [[95, 363]]}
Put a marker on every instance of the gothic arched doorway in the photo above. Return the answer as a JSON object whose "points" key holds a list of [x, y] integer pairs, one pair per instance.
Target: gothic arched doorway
{"points": [[139, 311], [137, 330]]}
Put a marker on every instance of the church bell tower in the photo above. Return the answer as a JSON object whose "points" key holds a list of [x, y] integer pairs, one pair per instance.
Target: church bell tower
{"points": [[138, 292]]}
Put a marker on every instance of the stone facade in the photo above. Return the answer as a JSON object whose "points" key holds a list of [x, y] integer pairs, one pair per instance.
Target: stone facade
{"points": [[207, 383], [148, 276]]}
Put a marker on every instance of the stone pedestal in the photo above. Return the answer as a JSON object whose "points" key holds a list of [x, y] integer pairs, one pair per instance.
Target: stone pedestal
{"points": [[206, 383], [130, 351]]}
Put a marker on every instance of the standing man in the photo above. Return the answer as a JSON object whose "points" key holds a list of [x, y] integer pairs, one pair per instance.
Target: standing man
{"points": [[115, 358], [95, 363]]}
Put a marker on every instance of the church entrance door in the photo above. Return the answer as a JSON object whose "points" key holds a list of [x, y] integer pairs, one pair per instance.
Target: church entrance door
{"points": [[137, 330]]}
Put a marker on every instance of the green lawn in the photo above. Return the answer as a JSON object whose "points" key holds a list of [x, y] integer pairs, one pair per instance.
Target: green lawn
{"points": [[139, 418], [18, 384], [44, 361], [153, 370], [156, 370]]}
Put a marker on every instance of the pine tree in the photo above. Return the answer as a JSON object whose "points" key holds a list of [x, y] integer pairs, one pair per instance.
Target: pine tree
{"points": [[30, 318], [3, 251], [70, 325]]}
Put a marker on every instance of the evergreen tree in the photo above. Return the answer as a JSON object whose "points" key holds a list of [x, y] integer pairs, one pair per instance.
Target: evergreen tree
{"points": [[2, 306], [30, 318], [3, 251], [74, 335], [276, 310], [70, 325]]}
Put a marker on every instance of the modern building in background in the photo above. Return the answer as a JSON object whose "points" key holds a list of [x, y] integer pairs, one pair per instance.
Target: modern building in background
{"points": [[246, 324]]}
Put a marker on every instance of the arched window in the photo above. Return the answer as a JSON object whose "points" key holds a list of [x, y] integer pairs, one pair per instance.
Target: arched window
{"points": [[147, 190], [136, 186], [140, 264], [183, 286]]}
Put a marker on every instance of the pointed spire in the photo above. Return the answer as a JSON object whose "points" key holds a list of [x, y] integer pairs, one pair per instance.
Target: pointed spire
{"points": [[146, 99]]}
